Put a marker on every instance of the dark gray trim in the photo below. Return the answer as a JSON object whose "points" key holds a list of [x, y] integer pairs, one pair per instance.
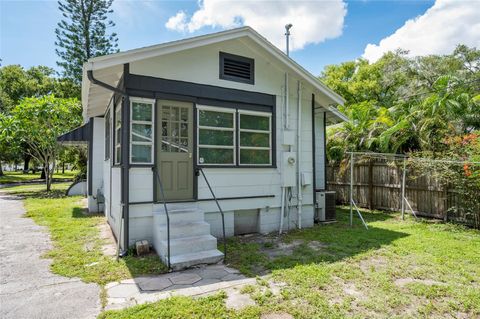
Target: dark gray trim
{"points": [[196, 172], [204, 101], [142, 165], [156, 139], [314, 162], [198, 91], [90, 156], [125, 162], [203, 199], [242, 59], [80, 135], [325, 150]]}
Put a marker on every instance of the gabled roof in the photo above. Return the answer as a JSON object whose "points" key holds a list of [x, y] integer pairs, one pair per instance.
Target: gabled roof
{"points": [[109, 66]]}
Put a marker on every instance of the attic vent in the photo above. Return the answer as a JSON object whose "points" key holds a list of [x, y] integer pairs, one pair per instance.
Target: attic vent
{"points": [[236, 68]]}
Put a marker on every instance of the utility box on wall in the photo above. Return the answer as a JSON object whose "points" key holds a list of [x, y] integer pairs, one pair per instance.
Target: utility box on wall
{"points": [[289, 169]]}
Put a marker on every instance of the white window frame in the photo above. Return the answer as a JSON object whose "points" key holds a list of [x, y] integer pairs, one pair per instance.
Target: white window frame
{"points": [[117, 145], [233, 129], [152, 123], [240, 130]]}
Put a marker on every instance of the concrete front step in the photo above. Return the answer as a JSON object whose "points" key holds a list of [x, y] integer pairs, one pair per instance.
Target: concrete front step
{"points": [[178, 216], [183, 229], [187, 245], [188, 260]]}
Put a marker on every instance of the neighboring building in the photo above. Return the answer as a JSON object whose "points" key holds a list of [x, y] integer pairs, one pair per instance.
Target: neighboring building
{"points": [[226, 103]]}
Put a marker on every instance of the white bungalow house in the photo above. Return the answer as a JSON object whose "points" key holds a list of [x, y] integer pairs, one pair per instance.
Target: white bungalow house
{"points": [[227, 107]]}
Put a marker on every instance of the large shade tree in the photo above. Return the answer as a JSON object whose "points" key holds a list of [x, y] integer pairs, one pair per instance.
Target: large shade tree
{"points": [[400, 104], [82, 34], [37, 122], [17, 83]]}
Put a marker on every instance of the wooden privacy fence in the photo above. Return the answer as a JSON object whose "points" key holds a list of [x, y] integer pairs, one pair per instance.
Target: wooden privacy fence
{"points": [[378, 185]]}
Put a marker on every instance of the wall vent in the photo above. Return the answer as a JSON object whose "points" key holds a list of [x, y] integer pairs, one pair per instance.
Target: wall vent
{"points": [[237, 68]]}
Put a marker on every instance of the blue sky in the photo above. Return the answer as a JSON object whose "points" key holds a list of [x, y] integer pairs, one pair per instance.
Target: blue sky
{"points": [[27, 28]]}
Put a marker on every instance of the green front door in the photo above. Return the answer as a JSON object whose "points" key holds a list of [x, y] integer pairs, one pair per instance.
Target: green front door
{"points": [[175, 149]]}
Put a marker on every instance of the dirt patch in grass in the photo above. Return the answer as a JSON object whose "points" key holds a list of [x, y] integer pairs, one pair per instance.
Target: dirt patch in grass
{"points": [[277, 315], [401, 282], [373, 264]]}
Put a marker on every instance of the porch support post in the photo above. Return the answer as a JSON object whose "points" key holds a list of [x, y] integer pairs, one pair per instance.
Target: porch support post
{"points": [[125, 176]]}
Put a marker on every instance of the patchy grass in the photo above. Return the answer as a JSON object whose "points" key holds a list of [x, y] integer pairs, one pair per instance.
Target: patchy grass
{"points": [[16, 177], [398, 269], [76, 238]]}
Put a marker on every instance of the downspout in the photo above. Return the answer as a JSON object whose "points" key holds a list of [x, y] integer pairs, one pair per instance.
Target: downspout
{"points": [[125, 158], [299, 152]]}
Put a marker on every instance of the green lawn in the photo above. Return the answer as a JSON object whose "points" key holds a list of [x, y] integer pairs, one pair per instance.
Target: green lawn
{"points": [[76, 239], [396, 269], [15, 177]]}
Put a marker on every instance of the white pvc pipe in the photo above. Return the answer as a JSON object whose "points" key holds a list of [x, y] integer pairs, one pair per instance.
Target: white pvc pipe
{"points": [[282, 210], [287, 106], [299, 152]]}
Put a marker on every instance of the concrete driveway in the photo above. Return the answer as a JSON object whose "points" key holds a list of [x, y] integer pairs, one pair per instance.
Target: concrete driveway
{"points": [[27, 287]]}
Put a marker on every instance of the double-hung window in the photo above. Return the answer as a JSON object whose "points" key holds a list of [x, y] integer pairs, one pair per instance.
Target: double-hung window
{"points": [[255, 145], [216, 136], [118, 133], [231, 137], [141, 131]]}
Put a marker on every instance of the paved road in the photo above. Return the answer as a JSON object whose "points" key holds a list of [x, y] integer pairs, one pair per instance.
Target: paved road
{"points": [[27, 287]]}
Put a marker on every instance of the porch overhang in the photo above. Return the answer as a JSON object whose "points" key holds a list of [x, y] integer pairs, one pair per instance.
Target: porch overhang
{"points": [[78, 136]]}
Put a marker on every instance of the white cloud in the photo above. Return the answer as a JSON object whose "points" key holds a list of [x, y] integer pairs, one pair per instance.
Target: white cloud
{"points": [[177, 22], [313, 21], [443, 26]]}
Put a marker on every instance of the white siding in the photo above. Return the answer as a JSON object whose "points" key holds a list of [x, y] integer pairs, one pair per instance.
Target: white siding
{"points": [[115, 215], [319, 150], [201, 65], [97, 162]]}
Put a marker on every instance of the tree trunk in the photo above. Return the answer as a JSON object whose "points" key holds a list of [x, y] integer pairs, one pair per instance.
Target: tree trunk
{"points": [[43, 176], [46, 172], [26, 163], [63, 167], [1, 170]]}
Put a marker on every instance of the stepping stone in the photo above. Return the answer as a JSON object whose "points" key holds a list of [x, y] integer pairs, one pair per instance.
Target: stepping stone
{"points": [[185, 279], [236, 300], [123, 291], [231, 277], [154, 284], [206, 281], [213, 273]]}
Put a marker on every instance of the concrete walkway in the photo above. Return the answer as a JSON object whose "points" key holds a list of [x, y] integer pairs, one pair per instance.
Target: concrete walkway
{"points": [[27, 287], [194, 282]]}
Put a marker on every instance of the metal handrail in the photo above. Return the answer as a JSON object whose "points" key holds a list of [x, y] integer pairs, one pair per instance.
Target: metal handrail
{"points": [[221, 212], [166, 214]]}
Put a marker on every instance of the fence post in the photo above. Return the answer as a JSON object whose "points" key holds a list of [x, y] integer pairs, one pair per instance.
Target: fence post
{"points": [[351, 189], [370, 184]]}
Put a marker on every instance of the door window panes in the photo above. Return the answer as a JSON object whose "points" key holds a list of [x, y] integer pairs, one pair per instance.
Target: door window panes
{"points": [[175, 129]]}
